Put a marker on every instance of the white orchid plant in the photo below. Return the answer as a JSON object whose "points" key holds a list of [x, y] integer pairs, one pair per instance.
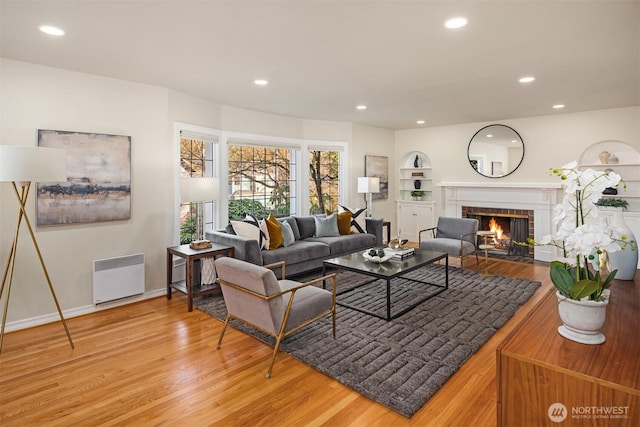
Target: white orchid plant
{"points": [[583, 239]]}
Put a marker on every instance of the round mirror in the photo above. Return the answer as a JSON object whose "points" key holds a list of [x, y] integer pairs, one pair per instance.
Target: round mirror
{"points": [[495, 151]]}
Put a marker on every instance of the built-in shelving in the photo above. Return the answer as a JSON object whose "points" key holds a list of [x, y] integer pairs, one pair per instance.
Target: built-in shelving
{"points": [[627, 166], [410, 174], [415, 214]]}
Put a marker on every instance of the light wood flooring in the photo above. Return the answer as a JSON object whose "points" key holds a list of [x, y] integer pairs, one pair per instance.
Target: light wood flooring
{"points": [[153, 363]]}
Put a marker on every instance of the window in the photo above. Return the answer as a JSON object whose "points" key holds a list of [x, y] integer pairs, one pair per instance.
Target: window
{"points": [[261, 180], [324, 181], [196, 160]]}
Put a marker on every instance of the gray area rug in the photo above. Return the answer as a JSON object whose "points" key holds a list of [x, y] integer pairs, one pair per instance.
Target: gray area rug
{"points": [[403, 362]]}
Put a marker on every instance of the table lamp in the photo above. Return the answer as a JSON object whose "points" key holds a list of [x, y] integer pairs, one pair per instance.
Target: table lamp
{"points": [[369, 185], [199, 190], [22, 165]]}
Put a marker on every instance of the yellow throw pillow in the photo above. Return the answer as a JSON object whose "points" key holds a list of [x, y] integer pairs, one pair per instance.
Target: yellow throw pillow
{"points": [[275, 232], [344, 221]]}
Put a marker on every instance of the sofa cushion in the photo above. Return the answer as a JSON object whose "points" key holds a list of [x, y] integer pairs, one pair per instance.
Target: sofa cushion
{"points": [[450, 246], [275, 232], [288, 238], [306, 225], [344, 221], [302, 251], [347, 243], [248, 230], [328, 226], [293, 224]]}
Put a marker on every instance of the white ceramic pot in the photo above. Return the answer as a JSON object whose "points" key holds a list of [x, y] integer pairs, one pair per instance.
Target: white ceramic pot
{"points": [[625, 261], [582, 320]]}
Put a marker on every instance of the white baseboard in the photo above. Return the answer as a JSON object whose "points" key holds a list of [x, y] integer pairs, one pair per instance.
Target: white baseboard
{"points": [[80, 311]]}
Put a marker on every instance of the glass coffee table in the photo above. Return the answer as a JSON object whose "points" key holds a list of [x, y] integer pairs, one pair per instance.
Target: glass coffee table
{"points": [[387, 273]]}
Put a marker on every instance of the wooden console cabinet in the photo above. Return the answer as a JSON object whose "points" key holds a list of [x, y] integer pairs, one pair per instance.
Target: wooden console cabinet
{"points": [[596, 385]]}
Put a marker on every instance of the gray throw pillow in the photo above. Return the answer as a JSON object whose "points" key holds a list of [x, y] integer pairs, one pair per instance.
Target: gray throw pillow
{"points": [[288, 238], [306, 226], [294, 225], [328, 226]]}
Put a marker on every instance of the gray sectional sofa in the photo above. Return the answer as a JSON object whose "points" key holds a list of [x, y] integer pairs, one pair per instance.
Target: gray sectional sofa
{"points": [[308, 251]]}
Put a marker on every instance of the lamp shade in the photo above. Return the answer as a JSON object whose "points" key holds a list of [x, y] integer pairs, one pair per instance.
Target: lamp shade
{"points": [[40, 164], [368, 184], [199, 189]]}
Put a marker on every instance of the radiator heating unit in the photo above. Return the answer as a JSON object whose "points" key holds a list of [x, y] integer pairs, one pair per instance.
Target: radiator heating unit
{"points": [[120, 277]]}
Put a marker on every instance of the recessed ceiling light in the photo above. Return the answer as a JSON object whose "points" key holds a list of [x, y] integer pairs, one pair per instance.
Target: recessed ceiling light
{"points": [[527, 79], [52, 31], [489, 135], [261, 82], [457, 22], [558, 106], [361, 107], [420, 122]]}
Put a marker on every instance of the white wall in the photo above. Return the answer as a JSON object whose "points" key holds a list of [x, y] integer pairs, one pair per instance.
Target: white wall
{"points": [[35, 97], [549, 141]]}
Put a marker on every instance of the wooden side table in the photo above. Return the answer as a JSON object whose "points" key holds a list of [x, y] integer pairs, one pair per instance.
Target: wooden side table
{"points": [[187, 286]]}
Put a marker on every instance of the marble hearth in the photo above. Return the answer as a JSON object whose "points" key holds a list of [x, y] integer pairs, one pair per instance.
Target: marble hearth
{"points": [[537, 197]]}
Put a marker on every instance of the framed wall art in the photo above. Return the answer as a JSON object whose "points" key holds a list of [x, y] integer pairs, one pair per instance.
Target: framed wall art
{"points": [[98, 185], [378, 166]]}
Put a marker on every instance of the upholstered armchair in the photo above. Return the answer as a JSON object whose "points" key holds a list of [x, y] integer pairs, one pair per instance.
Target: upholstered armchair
{"points": [[455, 236], [254, 296]]}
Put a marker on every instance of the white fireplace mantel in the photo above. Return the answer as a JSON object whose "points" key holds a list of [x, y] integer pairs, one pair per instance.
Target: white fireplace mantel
{"points": [[538, 197]]}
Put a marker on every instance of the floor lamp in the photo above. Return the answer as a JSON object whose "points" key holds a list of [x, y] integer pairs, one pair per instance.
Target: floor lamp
{"points": [[22, 165], [198, 190], [369, 185]]}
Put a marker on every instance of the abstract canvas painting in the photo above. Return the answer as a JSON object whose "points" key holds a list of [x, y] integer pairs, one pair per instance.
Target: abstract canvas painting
{"points": [[378, 166], [98, 185]]}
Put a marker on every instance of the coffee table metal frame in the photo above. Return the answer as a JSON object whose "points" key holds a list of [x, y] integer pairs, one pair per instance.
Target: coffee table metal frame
{"points": [[388, 271]]}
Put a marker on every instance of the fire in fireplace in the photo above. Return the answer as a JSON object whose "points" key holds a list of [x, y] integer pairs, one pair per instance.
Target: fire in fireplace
{"points": [[508, 228]]}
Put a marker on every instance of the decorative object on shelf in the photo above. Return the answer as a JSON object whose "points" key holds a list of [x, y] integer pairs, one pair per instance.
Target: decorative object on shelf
{"points": [[625, 260], [582, 320], [22, 165], [610, 191], [612, 204], [584, 242], [604, 157], [369, 185], [613, 159], [198, 190], [417, 162], [417, 194], [417, 174], [417, 184]]}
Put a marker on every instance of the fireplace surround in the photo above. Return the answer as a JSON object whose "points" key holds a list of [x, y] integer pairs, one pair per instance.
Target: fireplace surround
{"points": [[515, 198]]}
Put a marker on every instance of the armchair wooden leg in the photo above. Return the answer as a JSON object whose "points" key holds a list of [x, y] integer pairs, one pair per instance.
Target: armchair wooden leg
{"points": [[477, 260], [462, 262], [224, 328], [333, 315], [275, 351]]}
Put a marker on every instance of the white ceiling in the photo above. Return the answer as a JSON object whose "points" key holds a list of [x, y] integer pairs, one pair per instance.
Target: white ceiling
{"points": [[322, 58]]}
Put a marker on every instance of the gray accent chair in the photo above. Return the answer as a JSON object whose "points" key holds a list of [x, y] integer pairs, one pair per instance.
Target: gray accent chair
{"points": [[455, 236], [254, 296]]}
